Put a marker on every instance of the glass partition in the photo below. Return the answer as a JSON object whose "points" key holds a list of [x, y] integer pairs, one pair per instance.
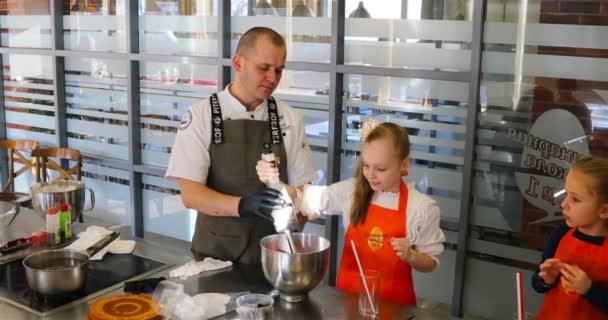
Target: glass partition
{"points": [[305, 25], [25, 24], [94, 25], [29, 98], [96, 107], [111, 187], [178, 27], [164, 212], [167, 91], [414, 34]]}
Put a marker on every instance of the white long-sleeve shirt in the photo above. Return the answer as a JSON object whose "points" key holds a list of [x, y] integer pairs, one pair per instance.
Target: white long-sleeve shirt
{"points": [[422, 215]]}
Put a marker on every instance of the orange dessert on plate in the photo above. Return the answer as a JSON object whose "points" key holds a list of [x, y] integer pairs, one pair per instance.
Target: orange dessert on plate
{"points": [[125, 307]]}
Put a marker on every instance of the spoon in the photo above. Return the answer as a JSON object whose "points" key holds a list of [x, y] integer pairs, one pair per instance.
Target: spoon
{"points": [[290, 242]]}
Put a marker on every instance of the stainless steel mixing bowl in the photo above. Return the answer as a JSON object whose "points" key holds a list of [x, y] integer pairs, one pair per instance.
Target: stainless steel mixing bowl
{"points": [[54, 193], [294, 275]]}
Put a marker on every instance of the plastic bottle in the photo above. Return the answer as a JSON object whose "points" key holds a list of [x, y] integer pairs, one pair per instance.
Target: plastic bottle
{"points": [[65, 222], [52, 227]]}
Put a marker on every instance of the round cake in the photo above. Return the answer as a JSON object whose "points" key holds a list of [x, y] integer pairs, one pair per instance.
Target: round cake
{"points": [[124, 307]]}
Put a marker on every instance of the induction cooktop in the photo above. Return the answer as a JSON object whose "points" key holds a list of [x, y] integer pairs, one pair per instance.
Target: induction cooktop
{"points": [[103, 276]]}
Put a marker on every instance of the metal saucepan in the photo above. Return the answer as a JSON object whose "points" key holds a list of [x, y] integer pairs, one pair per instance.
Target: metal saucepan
{"points": [[61, 271]]}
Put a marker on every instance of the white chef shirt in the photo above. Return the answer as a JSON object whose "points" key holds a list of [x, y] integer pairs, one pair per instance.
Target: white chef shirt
{"points": [[190, 152], [422, 219]]}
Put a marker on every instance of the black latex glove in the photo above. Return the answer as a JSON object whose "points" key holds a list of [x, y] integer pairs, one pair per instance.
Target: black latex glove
{"points": [[261, 204], [142, 286]]}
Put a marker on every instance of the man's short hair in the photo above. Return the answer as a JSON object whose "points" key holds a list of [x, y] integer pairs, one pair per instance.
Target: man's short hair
{"points": [[249, 38]]}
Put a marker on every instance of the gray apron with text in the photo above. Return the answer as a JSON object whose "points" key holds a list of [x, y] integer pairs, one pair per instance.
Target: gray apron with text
{"points": [[236, 146]]}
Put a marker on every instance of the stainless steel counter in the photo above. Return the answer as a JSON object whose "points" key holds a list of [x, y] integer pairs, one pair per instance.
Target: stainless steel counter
{"points": [[323, 303]]}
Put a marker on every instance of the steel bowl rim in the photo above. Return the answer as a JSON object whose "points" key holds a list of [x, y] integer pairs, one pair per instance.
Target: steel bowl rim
{"points": [[37, 185], [325, 241], [39, 253]]}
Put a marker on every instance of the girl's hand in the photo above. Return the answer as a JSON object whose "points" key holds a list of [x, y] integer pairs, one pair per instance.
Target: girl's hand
{"points": [[575, 278], [266, 170], [403, 248], [549, 270]]}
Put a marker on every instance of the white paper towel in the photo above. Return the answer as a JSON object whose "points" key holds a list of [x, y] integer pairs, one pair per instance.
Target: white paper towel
{"points": [[93, 234], [89, 237], [195, 267]]}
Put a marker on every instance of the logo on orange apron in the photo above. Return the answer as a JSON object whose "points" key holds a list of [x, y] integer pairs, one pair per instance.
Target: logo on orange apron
{"points": [[375, 239]]}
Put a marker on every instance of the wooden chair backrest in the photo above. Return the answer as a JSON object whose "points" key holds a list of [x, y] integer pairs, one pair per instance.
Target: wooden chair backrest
{"points": [[45, 162], [15, 149]]}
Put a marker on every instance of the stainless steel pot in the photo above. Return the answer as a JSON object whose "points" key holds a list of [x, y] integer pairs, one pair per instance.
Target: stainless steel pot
{"points": [[52, 194], [56, 272], [61, 271]]}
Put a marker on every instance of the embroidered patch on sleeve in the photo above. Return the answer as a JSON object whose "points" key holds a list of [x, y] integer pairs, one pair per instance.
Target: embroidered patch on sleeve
{"points": [[186, 120]]}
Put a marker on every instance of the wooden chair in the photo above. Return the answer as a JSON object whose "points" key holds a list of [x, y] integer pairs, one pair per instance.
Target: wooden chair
{"points": [[15, 152], [45, 163]]}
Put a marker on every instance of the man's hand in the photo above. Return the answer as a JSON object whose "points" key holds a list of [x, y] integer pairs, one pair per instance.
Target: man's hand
{"points": [[261, 204], [266, 170], [550, 269], [575, 278]]}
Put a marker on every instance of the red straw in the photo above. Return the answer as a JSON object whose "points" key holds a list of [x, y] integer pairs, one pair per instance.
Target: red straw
{"points": [[520, 296]]}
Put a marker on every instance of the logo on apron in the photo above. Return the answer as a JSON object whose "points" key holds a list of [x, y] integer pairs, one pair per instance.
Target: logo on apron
{"points": [[375, 239]]}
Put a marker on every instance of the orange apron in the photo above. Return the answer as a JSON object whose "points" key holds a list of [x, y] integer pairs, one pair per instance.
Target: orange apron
{"points": [[376, 253], [563, 303]]}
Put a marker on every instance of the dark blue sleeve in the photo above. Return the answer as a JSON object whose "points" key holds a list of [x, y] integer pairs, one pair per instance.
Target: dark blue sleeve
{"points": [[598, 296], [537, 282]]}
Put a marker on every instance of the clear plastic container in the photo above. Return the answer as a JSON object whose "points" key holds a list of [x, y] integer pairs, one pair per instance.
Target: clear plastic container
{"points": [[255, 307]]}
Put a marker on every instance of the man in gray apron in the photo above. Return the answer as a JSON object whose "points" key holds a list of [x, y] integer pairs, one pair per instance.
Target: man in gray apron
{"points": [[219, 143]]}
